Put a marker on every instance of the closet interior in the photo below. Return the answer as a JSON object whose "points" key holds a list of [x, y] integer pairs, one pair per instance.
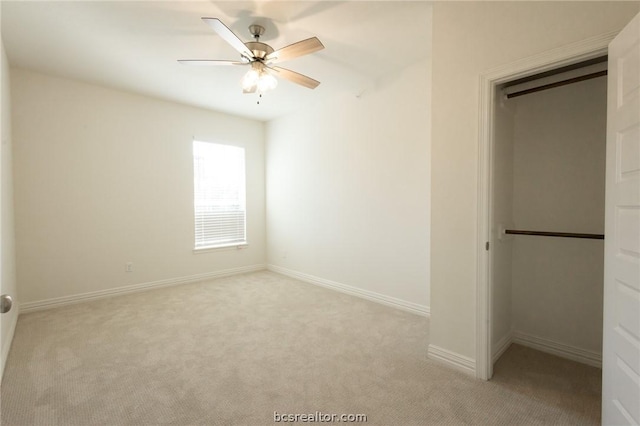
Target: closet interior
{"points": [[547, 212]]}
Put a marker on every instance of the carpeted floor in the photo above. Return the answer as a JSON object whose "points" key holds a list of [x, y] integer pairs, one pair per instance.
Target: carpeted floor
{"points": [[235, 350]]}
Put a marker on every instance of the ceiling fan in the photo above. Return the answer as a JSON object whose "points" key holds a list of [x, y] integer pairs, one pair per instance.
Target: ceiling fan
{"points": [[260, 56]]}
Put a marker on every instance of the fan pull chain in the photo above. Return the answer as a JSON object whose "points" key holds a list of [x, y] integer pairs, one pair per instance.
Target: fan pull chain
{"points": [[259, 99]]}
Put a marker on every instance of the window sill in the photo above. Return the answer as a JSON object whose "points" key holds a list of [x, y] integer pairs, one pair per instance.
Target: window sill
{"points": [[234, 246]]}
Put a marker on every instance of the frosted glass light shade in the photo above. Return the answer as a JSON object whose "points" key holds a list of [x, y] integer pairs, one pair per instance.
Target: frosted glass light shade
{"points": [[250, 80], [266, 82]]}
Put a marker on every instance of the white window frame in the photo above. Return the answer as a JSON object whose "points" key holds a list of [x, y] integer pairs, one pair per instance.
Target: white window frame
{"points": [[202, 196]]}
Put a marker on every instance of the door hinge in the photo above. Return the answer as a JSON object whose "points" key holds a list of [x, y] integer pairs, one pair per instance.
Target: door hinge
{"points": [[486, 246]]}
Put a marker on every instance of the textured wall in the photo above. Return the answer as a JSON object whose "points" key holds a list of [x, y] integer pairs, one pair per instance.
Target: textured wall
{"points": [[348, 188], [104, 177]]}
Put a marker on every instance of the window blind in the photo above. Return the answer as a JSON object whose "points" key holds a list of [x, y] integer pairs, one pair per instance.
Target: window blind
{"points": [[219, 194]]}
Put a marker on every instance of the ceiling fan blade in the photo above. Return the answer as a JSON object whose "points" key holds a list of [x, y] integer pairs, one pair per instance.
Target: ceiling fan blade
{"points": [[297, 78], [228, 36], [294, 50], [209, 62]]}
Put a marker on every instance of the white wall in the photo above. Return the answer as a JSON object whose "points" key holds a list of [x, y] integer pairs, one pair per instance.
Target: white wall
{"points": [[7, 248], [559, 178], [348, 189], [502, 215], [104, 177], [470, 38]]}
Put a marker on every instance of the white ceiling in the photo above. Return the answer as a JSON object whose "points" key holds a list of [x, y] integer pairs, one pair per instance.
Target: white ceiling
{"points": [[134, 46]]}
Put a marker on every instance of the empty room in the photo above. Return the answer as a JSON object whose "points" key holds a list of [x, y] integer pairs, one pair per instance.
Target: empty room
{"points": [[263, 212]]}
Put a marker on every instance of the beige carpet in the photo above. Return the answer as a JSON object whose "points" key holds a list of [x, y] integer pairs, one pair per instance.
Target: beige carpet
{"points": [[234, 350]]}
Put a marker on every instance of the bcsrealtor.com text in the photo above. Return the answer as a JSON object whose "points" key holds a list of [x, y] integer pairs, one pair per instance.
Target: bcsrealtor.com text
{"points": [[318, 417]]}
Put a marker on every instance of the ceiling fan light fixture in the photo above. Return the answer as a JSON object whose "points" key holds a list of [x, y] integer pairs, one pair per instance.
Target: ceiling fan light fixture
{"points": [[258, 78]]}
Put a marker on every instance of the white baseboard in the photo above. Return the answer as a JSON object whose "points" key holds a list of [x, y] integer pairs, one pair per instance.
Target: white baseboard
{"points": [[8, 339], [459, 362], [95, 295], [502, 345], [354, 291], [591, 358]]}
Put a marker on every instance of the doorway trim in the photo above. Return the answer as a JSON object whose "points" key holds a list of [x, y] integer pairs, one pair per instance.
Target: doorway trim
{"points": [[583, 50]]}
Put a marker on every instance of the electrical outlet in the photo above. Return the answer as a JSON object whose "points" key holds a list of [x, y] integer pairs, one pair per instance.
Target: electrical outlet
{"points": [[128, 267]]}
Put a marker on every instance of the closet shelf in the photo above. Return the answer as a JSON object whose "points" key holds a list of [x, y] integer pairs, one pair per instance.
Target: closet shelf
{"points": [[555, 234]]}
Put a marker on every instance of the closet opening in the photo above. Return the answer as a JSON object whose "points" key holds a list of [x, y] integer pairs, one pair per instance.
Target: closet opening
{"points": [[546, 206]]}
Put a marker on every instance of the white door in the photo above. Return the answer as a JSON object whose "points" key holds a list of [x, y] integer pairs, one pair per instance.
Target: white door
{"points": [[621, 341]]}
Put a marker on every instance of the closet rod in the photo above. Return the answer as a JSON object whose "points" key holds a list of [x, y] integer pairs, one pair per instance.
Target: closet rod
{"points": [[555, 234], [558, 84]]}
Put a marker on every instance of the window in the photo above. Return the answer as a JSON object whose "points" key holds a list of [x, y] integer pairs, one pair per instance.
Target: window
{"points": [[219, 195]]}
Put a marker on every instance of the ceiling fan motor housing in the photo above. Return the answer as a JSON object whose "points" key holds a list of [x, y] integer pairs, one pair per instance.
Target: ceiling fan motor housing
{"points": [[259, 49]]}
